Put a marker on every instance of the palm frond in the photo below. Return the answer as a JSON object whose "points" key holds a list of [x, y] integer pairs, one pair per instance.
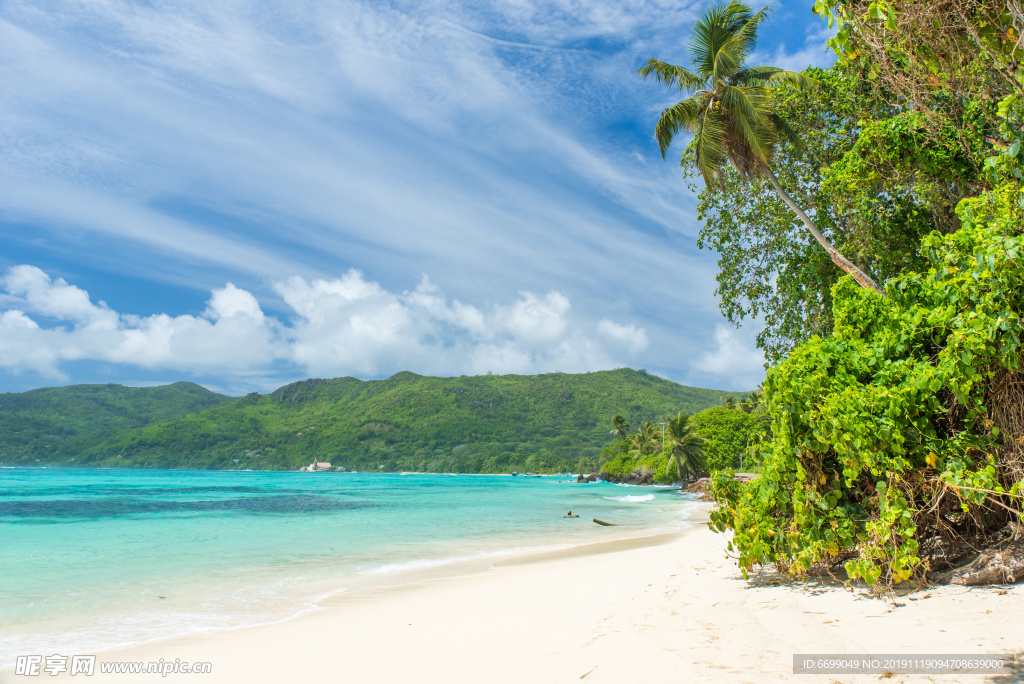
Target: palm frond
{"points": [[745, 36], [801, 81], [729, 110], [758, 75], [745, 103], [686, 450], [749, 152], [671, 75], [713, 32], [684, 115], [741, 40], [785, 131], [745, 108], [709, 151]]}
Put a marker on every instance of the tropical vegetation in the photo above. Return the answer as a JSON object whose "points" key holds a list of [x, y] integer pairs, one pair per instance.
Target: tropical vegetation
{"points": [[729, 111], [34, 425], [685, 447], [492, 423], [680, 448], [895, 437]]}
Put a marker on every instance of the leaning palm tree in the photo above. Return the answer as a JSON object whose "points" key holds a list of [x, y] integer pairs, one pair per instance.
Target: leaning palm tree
{"points": [[728, 109], [685, 446], [620, 429]]}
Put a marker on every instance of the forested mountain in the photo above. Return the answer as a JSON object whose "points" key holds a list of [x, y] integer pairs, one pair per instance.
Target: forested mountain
{"points": [[490, 423], [42, 420]]}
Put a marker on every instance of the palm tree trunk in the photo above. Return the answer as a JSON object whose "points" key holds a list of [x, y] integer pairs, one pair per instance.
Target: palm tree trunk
{"points": [[837, 258]]}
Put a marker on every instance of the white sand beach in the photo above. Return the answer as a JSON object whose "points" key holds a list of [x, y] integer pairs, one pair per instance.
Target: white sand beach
{"points": [[675, 610]]}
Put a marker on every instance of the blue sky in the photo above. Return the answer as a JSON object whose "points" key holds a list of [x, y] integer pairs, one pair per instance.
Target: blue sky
{"points": [[247, 193]]}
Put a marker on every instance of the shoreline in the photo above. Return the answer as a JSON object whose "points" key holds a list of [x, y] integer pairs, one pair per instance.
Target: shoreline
{"points": [[445, 575], [664, 606], [73, 635]]}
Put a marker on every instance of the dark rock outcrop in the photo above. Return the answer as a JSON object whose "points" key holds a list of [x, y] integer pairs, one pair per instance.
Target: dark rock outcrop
{"points": [[640, 476], [702, 488]]}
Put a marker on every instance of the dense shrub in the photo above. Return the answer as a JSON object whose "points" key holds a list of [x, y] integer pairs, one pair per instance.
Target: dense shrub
{"points": [[623, 465], [887, 449], [726, 432]]}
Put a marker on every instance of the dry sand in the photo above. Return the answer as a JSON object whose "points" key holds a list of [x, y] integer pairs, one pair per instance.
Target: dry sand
{"points": [[675, 609]]}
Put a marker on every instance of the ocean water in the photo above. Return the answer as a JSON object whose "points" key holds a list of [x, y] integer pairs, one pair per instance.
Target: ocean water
{"points": [[96, 558]]}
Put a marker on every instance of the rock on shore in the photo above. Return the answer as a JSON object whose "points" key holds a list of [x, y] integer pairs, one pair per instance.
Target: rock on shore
{"points": [[640, 476]]}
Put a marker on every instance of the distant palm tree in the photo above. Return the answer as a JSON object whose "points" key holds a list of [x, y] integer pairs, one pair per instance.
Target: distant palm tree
{"points": [[645, 441], [730, 402], [728, 108], [685, 446], [620, 429], [751, 402]]}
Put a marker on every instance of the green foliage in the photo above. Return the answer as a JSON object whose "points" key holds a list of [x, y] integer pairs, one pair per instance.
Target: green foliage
{"points": [[884, 448], [39, 423], [712, 439], [1009, 164], [881, 438], [542, 423], [656, 463], [895, 185], [643, 451], [726, 433], [951, 61], [646, 441], [685, 447], [875, 183]]}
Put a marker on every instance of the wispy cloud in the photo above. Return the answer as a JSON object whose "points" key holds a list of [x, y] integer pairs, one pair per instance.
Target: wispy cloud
{"points": [[500, 148]]}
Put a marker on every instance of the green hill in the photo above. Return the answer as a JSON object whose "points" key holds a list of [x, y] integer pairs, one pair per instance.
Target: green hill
{"points": [[37, 423], [490, 423]]}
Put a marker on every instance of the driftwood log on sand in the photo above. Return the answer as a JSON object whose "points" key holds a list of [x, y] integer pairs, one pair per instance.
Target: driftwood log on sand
{"points": [[1000, 563]]}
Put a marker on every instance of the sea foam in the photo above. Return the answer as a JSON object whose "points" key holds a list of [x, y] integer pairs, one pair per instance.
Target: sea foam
{"points": [[631, 499]]}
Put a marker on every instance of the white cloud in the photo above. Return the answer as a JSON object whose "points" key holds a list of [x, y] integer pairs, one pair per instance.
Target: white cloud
{"points": [[56, 299], [327, 119], [350, 325], [231, 336], [24, 346], [632, 339], [343, 326], [733, 358], [535, 321], [502, 147]]}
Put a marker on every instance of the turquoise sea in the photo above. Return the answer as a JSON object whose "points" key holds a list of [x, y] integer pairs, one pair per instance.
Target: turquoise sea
{"points": [[95, 558]]}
